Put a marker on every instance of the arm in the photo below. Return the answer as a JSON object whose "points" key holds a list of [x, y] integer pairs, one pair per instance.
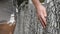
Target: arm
{"points": [[41, 12], [36, 3]]}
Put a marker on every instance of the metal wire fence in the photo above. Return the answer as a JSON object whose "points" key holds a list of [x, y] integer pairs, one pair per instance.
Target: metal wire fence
{"points": [[29, 24]]}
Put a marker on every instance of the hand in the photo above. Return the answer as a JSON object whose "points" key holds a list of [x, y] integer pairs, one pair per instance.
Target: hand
{"points": [[41, 13]]}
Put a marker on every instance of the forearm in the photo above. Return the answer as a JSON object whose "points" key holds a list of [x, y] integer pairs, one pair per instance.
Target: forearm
{"points": [[36, 3]]}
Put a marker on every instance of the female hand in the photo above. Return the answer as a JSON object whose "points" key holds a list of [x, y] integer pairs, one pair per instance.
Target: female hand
{"points": [[41, 13]]}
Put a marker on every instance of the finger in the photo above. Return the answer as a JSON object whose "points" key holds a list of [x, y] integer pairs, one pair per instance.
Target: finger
{"points": [[43, 22], [45, 14], [43, 18], [39, 18]]}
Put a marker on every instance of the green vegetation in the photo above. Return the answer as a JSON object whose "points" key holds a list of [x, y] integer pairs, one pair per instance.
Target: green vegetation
{"points": [[42, 1]]}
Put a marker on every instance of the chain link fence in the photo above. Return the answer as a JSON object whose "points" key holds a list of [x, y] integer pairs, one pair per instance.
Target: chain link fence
{"points": [[29, 24]]}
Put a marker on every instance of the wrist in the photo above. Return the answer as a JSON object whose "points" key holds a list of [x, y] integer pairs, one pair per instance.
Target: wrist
{"points": [[38, 6]]}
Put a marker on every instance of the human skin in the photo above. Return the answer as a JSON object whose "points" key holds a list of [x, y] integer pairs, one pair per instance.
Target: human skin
{"points": [[41, 12]]}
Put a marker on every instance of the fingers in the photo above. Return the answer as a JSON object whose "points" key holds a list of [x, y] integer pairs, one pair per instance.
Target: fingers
{"points": [[42, 19], [42, 22], [44, 15]]}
